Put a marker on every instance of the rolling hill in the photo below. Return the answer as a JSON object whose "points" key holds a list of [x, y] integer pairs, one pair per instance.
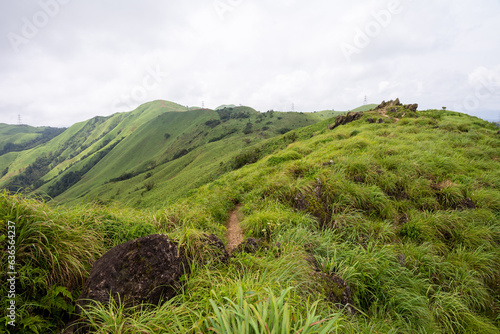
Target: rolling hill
{"points": [[385, 221]]}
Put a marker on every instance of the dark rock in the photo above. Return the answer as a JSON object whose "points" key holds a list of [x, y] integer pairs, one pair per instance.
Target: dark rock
{"points": [[380, 120], [466, 204], [370, 120], [338, 292], [217, 248], [345, 119], [311, 260], [498, 133], [328, 163], [391, 105], [300, 201], [144, 270], [251, 245], [403, 219], [381, 105]]}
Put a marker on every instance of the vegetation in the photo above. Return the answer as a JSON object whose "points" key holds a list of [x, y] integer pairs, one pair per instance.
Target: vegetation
{"points": [[181, 149], [404, 214], [23, 137]]}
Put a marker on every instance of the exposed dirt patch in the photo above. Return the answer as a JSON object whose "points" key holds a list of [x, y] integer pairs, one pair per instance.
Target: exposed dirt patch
{"points": [[234, 233]]}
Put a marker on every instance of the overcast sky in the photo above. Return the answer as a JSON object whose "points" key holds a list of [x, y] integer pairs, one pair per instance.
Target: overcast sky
{"points": [[65, 61]]}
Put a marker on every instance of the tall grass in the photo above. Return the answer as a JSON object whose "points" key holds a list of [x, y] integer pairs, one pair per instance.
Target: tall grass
{"points": [[53, 256]]}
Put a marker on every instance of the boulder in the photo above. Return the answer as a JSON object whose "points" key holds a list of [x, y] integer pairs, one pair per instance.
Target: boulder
{"points": [[344, 119], [338, 292], [251, 245], [144, 270]]}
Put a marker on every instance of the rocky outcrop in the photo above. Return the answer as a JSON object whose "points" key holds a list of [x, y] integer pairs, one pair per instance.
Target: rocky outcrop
{"points": [[338, 292], [411, 107], [391, 106], [345, 119]]}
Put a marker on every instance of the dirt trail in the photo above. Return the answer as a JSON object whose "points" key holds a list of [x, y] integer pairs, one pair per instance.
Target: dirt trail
{"points": [[234, 233]]}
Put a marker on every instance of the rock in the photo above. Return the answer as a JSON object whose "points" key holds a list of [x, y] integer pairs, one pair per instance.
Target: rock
{"points": [[300, 201], [380, 120], [381, 105], [251, 245], [370, 120], [396, 102], [329, 163], [311, 259], [217, 248], [411, 107], [466, 204], [345, 119], [144, 270], [338, 292]]}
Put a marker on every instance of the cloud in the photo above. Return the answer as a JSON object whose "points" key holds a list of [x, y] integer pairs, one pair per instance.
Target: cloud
{"points": [[268, 55]]}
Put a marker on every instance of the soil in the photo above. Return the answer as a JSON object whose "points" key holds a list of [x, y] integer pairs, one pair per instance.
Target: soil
{"points": [[234, 233]]}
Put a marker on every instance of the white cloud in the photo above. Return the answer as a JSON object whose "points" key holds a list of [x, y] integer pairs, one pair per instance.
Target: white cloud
{"points": [[262, 54]]}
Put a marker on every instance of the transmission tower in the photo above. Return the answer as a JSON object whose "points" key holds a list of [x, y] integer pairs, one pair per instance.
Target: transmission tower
{"points": [[19, 122], [293, 106], [365, 102], [202, 104]]}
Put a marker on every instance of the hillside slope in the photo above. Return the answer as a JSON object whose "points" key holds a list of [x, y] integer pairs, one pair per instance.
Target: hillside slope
{"points": [[159, 150], [381, 222]]}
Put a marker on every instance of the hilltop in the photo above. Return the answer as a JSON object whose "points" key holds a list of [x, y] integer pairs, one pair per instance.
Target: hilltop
{"points": [[377, 221], [160, 150]]}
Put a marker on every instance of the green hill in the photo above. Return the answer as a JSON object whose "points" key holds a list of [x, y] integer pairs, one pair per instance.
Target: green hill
{"points": [[381, 222]]}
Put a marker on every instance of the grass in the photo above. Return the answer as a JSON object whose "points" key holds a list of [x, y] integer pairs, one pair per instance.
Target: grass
{"points": [[383, 207]]}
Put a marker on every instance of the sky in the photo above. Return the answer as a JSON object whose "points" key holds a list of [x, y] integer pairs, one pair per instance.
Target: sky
{"points": [[66, 61]]}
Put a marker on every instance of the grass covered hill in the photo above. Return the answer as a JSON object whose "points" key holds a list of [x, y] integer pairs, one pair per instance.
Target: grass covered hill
{"points": [[160, 150], [386, 224]]}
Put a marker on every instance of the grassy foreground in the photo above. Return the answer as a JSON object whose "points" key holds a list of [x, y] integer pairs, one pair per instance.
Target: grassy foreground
{"points": [[406, 213]]}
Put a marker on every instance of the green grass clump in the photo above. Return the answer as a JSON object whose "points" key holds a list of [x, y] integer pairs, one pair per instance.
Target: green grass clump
{"points": [[52, 259], [273, 315]]}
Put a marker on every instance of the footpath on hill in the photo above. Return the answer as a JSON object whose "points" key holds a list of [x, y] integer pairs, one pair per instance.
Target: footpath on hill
{"points": [[234, 233]]}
